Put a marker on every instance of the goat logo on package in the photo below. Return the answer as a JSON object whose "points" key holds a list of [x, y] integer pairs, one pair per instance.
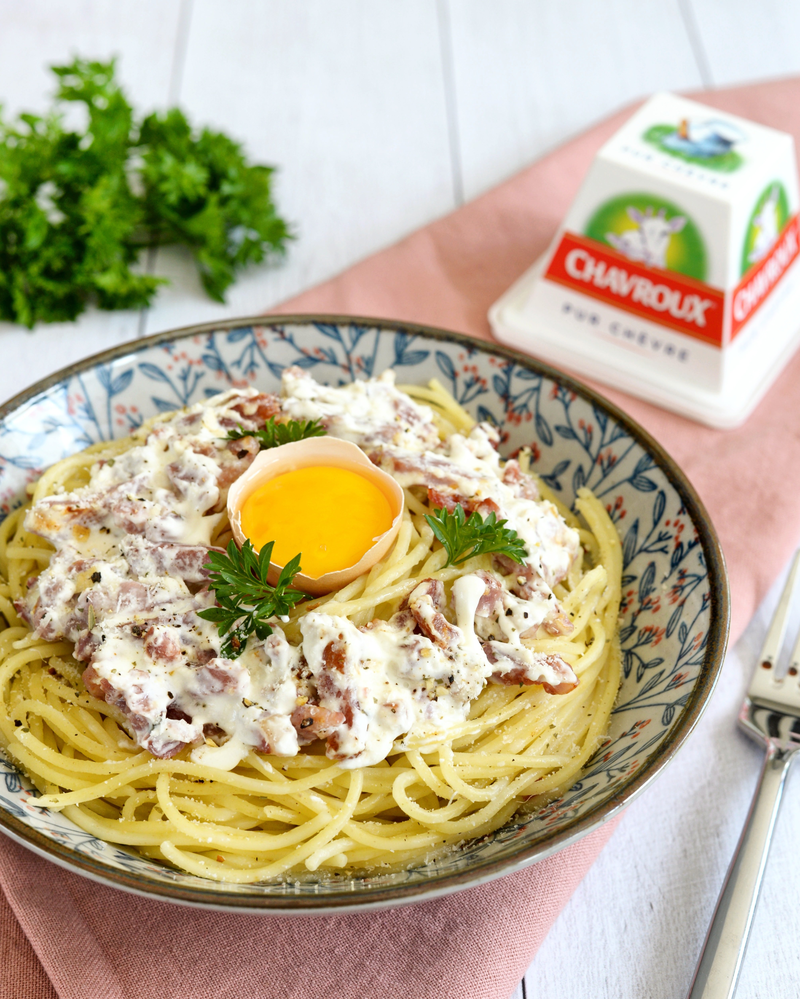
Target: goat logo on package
{"points": [[767, 222], [652, 231]]}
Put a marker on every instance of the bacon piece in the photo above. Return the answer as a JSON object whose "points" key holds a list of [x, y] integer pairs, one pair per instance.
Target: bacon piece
{"points": [[342, 700], [166, 526], [162, 645], [349, 706], [133, 597], [162, 747], [528, 673], [24, 611], [215, 733], [188, 562], [244, 447], [195, 479], [55, 518], [402, 621], [205, 448], [522, 484], [443, 501], [188, 420], [97, 686], [484, 508], [53, 591], [230, 472], [257, 409], [507, 565], [177, 714], [491, 603], [426, 602], [334, 656], [423, 469], [526, 583], [559, 623], [408, 415], [314, 722], [241, 455], [216, 680], [330, 689], [131, 516], [85, 647], [57, 611], [100, 688]]}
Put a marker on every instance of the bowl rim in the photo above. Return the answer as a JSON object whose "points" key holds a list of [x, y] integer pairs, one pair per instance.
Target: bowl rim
{"points": [[382, 897]]}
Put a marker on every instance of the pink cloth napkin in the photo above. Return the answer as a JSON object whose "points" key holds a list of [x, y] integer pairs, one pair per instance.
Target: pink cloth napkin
{"points": [[62, 935]]}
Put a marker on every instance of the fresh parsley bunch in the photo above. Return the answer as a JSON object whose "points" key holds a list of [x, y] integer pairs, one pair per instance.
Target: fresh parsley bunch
{"points": [[77, 207], [464, 537], [276, 434], [245, 600]]}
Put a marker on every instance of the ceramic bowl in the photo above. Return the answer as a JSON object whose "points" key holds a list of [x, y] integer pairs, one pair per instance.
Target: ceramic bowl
{"points": [[674, 618]]}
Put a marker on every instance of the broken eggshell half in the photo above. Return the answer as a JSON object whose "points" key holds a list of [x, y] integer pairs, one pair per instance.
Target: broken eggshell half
{"points": [[317, 451]]}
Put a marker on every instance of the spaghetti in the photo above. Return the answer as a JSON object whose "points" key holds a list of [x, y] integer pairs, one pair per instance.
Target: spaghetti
{"points": [[515, 743]]}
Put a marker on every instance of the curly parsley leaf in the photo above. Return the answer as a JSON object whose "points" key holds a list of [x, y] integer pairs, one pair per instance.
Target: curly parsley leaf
{"points": [[77, 207], [276, 434], [199, 190], [463, 538], [245, 600]]}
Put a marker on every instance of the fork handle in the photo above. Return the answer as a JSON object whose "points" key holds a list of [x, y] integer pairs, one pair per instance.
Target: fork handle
{"points": [[721, 958]]}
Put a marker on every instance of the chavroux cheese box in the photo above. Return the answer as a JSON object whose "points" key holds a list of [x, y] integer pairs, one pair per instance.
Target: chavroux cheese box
{"points": [[675, 274]]}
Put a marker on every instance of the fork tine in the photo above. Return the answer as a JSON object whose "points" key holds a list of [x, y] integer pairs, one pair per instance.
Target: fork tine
{"points": [[794, 661], [764, 684], [777, 627], [789, 696]]}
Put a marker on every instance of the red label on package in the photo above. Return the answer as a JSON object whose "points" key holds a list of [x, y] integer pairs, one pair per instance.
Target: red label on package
{"points": [[664, 297], [758, 283]]}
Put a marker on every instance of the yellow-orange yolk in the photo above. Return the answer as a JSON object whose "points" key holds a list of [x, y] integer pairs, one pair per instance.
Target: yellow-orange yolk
{"points": [[331, 515]]}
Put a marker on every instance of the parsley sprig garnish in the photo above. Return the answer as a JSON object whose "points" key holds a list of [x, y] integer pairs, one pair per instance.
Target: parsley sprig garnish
{"points": [[275, 434], [245, 599], [464, 537]]}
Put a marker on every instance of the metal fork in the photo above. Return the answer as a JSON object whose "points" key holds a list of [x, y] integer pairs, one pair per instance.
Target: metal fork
{"points": [[770, 714]]}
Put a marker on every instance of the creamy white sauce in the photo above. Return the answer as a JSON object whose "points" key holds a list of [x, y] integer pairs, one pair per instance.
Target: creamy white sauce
{"points": [[467, 592], [127, 581], [364, 412]]}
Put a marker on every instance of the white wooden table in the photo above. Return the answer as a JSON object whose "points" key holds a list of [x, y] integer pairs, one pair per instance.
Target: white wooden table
{"points": [[383, 116]]}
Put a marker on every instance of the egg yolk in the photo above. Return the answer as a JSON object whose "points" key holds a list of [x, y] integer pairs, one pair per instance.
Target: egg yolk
{"points": [[331, 515]]}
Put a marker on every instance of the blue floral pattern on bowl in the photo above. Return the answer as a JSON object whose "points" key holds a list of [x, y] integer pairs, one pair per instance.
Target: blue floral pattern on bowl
{"points": [[674, 612]]}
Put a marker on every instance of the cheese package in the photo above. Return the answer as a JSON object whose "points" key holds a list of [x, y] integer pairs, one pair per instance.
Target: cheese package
{"points": [[675, 274]]}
